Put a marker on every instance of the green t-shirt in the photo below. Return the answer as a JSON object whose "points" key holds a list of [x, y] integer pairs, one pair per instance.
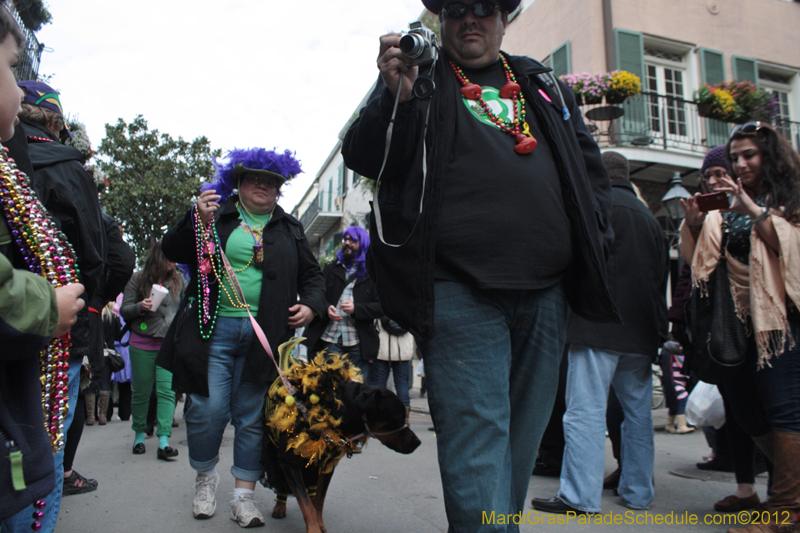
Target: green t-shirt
{"points": [[239, 250]]}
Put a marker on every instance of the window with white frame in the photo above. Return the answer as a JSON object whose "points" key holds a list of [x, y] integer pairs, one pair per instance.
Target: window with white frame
{"points": [[779, 82], [665, 75]]}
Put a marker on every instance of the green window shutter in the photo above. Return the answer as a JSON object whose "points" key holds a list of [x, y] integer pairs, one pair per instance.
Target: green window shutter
{"points": [[745, 69], [330, 194], [342, 186], [630, 57], [712, 71], [560, 60], [630, 51], [712, 67]]}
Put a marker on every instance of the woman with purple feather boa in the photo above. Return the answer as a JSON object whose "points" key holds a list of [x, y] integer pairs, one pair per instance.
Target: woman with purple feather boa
{"points": [[247, 256]]}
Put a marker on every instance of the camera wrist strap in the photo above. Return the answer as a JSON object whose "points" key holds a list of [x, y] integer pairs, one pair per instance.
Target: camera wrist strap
{"points": [[375, 201]]}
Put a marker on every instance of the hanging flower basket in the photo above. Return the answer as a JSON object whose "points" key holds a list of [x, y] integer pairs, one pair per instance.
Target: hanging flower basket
{"points": [[615, 98], [592, 99], [615, 86], [754, 103], [704, 109], [736, 101], [622, 84]]}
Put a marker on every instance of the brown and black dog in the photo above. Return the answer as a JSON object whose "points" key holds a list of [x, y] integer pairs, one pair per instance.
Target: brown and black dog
{"points": [[301, 453]]}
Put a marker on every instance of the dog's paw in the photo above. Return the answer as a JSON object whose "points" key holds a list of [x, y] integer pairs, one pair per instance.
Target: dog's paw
{"points": [[279, 511]]}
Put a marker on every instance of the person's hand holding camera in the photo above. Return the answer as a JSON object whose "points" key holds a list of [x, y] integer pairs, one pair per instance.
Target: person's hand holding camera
{"points": [[393, 65]]}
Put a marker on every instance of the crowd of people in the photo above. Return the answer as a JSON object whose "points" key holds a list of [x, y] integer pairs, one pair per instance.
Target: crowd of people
{"points": [[565, 344]]}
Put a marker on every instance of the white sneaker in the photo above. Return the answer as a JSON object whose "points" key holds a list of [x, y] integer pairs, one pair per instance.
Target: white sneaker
{"points": [[244, 512], [204, 503]]}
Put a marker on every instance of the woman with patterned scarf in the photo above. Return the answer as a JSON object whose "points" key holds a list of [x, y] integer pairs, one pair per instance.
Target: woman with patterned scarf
{"points": [[763, 256]]}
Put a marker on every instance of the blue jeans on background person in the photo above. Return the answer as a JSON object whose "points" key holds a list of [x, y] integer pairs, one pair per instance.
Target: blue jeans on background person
{"points": [[354, 354], [229, 399], [380, 375], [492, 375], [591, 373], [22, 520]]}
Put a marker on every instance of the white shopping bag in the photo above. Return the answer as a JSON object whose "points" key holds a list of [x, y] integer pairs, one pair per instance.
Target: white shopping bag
{"points": [[704, 406]]}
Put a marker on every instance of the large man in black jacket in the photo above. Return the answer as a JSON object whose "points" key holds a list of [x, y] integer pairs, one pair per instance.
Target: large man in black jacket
{"points": [[491, 214], [618, 354], [353, 305]]}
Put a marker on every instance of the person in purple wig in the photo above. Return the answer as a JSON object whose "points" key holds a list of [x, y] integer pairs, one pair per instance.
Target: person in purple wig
{"points": [[212, 351], [348, 327]]}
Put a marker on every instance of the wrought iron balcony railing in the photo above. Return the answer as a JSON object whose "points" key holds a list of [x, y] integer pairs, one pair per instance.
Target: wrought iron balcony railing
{"points": [[28, 66], [665, 122]]}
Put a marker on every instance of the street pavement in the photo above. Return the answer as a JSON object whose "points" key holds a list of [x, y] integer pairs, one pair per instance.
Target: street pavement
{"points": [[376, 491]]}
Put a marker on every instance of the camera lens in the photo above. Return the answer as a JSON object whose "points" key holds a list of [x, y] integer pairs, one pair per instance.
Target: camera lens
{"points": [[412, 45]]}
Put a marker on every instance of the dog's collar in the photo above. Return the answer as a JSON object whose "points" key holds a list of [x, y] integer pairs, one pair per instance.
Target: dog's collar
{"points": [[374, 434]]}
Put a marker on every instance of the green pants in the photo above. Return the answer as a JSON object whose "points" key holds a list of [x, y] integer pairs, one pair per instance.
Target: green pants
{"points": [[144, 370]]}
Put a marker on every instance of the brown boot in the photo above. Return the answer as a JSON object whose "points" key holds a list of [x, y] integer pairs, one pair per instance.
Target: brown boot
{"points": [[670, 427], [408, 412], [89, 399], [782, 507], [102, 406]]}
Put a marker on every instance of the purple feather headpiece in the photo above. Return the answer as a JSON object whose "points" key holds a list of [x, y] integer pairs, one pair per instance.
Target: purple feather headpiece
{"points": [[357, 234], [256, 160]]}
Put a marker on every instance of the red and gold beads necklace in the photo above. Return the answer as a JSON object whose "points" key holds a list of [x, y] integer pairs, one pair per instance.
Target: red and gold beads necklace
{"points": [[518, 128]]}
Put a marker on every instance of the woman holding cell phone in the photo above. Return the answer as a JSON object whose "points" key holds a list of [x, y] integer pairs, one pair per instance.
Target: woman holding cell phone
{"points": [[763, 252], [149, 304]]}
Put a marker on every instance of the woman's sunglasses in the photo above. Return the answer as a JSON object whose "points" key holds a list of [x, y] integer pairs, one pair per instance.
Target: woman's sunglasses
{"points": [[457, 10], [268, 181], [748, 127]]}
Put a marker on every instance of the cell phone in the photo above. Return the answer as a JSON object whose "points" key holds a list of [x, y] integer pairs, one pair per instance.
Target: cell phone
{"points": [[711, 201]]}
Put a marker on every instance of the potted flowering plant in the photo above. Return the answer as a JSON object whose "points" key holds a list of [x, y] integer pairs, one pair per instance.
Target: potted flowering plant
{"points": [[615, 86], [577, 82], [753, 103], [622, 84], [717, 103]]}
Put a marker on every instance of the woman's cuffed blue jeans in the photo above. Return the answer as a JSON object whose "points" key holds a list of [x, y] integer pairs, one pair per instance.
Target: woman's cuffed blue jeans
{"points": [[229, 399], [492, 374]]}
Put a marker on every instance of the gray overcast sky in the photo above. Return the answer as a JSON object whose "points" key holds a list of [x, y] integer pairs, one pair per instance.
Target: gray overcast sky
{"points": [[244, 73]]}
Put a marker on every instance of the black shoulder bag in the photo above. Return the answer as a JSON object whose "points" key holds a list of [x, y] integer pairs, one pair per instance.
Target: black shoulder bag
{"points": [[719, 339]]}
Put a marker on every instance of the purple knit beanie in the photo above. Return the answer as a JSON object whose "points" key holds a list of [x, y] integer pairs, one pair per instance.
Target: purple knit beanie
{"points": [[716, 157]]}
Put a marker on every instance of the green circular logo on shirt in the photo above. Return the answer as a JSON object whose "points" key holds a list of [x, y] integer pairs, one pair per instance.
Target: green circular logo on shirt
{"points": [[502, 107], [143, 326]]}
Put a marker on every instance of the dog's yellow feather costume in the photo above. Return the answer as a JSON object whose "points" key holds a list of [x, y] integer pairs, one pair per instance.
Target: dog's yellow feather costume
{"points": [[315, 437]]}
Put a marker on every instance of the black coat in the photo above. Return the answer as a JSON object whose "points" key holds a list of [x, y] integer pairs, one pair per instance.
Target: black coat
{"points": [[404, 275], [638, 268], [69, 194], [289, 270], [367, 309]]}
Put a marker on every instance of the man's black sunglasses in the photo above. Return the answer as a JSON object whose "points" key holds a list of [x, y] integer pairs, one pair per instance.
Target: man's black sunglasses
{"points": [[457, 10], [748, 127]]}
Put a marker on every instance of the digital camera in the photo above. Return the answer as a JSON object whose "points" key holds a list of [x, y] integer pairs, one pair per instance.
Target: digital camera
{"points": [[419, 45]]}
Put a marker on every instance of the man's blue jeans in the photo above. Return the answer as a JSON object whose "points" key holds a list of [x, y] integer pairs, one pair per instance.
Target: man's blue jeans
{"points": [[492, 374], [22, 520], [229, 399], [591, 372]]}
